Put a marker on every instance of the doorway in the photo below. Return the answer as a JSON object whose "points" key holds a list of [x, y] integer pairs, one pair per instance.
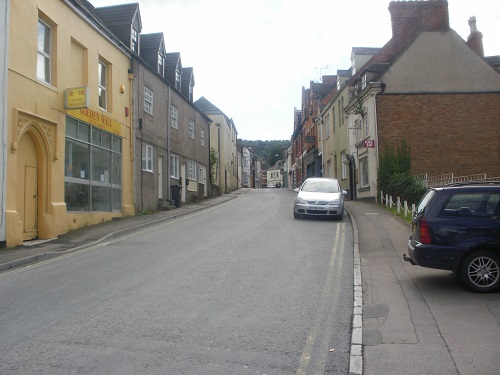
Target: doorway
{"points": [[28, 194]]}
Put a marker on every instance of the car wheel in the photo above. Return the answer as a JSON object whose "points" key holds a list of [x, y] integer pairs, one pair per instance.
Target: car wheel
{"points": [[480, 271], [296, 215]]}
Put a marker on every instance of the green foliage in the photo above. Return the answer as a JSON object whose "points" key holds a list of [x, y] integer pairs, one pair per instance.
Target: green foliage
{"points": [[213, 165], [394, 176], [267, 150]]}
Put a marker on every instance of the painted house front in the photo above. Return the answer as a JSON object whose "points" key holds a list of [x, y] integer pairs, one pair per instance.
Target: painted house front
{"points": [[69, 128]]}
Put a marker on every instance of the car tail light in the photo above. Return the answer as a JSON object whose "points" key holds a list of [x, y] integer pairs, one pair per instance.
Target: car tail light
{"points": [[425, 236]]}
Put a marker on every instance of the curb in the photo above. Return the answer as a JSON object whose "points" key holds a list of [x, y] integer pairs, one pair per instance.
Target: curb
{"points": [[356, 355], [48, 255]]}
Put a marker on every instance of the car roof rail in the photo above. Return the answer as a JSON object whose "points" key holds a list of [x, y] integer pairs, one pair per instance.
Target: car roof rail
{"points": [[466, 183]]}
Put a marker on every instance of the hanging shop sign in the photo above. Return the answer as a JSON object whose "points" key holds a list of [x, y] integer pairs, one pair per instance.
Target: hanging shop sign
{"points": [[76, 98], [96, 119], [369, 143]]}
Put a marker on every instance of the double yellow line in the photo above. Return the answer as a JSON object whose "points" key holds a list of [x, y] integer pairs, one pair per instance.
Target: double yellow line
{"points": [[328, 302]]}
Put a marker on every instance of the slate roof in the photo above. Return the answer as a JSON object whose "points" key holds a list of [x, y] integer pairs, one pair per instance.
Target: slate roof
{"points": [[172, 59], [117, 14], [151, 41]]}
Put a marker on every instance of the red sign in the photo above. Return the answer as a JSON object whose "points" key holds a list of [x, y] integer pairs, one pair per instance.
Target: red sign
{"points": [[369, 143]]}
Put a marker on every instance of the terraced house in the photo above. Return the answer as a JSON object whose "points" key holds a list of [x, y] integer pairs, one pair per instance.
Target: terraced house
{"points": [[69, 129], [100, 120]]}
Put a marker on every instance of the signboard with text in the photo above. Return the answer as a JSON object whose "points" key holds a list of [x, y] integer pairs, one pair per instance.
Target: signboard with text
{"points": [[369, 143], [97, 119], [76, 98]]}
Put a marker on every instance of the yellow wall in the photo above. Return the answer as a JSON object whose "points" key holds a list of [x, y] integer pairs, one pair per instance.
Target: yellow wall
{"points": [[36, 110]]}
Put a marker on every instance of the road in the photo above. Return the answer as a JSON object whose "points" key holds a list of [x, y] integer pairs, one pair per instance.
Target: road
{"points": [[240, 288]]}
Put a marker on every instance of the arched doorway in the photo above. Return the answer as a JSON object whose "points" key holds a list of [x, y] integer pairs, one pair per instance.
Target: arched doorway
{"points": [[27, 187]]}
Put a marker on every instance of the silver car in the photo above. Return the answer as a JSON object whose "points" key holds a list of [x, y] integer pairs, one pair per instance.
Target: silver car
{"points": [[319, 196]]}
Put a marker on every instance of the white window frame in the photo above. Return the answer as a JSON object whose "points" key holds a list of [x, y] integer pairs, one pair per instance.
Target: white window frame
{"points": [[344, 165], [42, 69], [134, 40], [103, 89], [192, 170], [364, 173], [174, 117], [202, 137], [161, 64], [148, 101], [191, 128], [174, 166], [147, 157]]}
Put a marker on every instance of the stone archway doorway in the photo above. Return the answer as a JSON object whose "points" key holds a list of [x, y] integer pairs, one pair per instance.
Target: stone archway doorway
{"points": [[28, 187]]}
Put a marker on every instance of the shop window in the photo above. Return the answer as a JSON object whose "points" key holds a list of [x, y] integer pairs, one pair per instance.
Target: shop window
{"points": [[92, 168]]}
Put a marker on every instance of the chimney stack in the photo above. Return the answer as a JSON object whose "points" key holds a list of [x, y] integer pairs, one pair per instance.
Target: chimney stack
{"points": [[409, 18], [475, 39]]}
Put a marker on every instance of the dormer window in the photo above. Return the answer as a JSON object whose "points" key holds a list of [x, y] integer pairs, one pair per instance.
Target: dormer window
{"points": [[177, 79], [190, 92], [161, 69], [363, 82], [134, 42]]}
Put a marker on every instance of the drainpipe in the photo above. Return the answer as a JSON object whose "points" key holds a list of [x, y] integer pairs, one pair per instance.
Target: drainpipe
{"points": [[4, 41], [381, 87], [169, 124]]}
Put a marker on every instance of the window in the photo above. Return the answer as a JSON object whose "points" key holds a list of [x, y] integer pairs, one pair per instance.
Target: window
{"points": [[344, 165], [92, 168], [103, 83], [192, 168], [148, 101], [134, 42], [175, 117], [147, 157], [177, 79], [363, 166], [44, 62], [161, 64], [365, 126], [202, 137], [341, 114], [327, 126], [174, 166], [191, 128], [363, 81]]}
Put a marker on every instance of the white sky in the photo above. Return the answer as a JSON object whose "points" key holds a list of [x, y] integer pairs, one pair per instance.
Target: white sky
{"points": [[252, 58]]}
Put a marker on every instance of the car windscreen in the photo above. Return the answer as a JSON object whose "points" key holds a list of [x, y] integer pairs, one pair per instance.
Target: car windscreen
{"points": [[321, 187]]}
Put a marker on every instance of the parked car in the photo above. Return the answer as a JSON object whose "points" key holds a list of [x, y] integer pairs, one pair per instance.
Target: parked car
{"points": [[270, 184], [319, 196], [457, 228]]}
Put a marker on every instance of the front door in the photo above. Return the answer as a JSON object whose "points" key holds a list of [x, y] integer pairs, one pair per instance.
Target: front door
{"points": [[28, 187], [160, 177]]}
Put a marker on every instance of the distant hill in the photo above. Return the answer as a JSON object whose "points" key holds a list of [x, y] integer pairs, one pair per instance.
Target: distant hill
{"points": [[268, 151]]}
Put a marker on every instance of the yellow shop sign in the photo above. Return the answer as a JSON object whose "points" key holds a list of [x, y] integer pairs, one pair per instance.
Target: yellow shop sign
{"points": [[96, 119], [76, 97]]}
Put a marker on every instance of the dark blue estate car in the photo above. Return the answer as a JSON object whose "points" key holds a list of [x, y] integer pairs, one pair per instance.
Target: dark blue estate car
{"points": [[457, 228]]}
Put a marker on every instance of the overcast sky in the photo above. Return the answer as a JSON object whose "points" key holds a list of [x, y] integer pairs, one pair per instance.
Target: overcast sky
{"points": [[252, 58]]}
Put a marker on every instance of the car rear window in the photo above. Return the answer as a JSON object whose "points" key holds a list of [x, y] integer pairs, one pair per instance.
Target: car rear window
{"points": [[424, 201], [473, 204]]}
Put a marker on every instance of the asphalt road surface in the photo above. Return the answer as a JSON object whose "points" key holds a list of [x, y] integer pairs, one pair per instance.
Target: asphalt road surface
{"points": [[240, 288]]}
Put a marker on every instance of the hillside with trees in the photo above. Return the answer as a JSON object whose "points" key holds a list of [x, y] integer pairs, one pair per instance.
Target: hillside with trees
{"points": [[268, 151]]}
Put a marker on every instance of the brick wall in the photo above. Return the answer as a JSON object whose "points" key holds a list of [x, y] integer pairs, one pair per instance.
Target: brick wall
{"points": [[446, 133]]}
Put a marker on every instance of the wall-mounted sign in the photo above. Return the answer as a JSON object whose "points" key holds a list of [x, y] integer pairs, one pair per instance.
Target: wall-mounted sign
{"points": [[310, 139], [369, 143], [96, 119], [76, 97]]}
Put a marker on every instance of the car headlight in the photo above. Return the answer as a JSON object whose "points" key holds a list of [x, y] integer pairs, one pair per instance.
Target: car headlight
{"points": [[300, 200], [334, 202]]}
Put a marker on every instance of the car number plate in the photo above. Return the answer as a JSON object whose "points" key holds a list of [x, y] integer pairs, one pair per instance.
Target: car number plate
{"points": [[317, 208]]}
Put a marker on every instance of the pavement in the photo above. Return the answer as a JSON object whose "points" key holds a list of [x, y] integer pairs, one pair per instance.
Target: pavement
{"points": [[393, 327]]}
